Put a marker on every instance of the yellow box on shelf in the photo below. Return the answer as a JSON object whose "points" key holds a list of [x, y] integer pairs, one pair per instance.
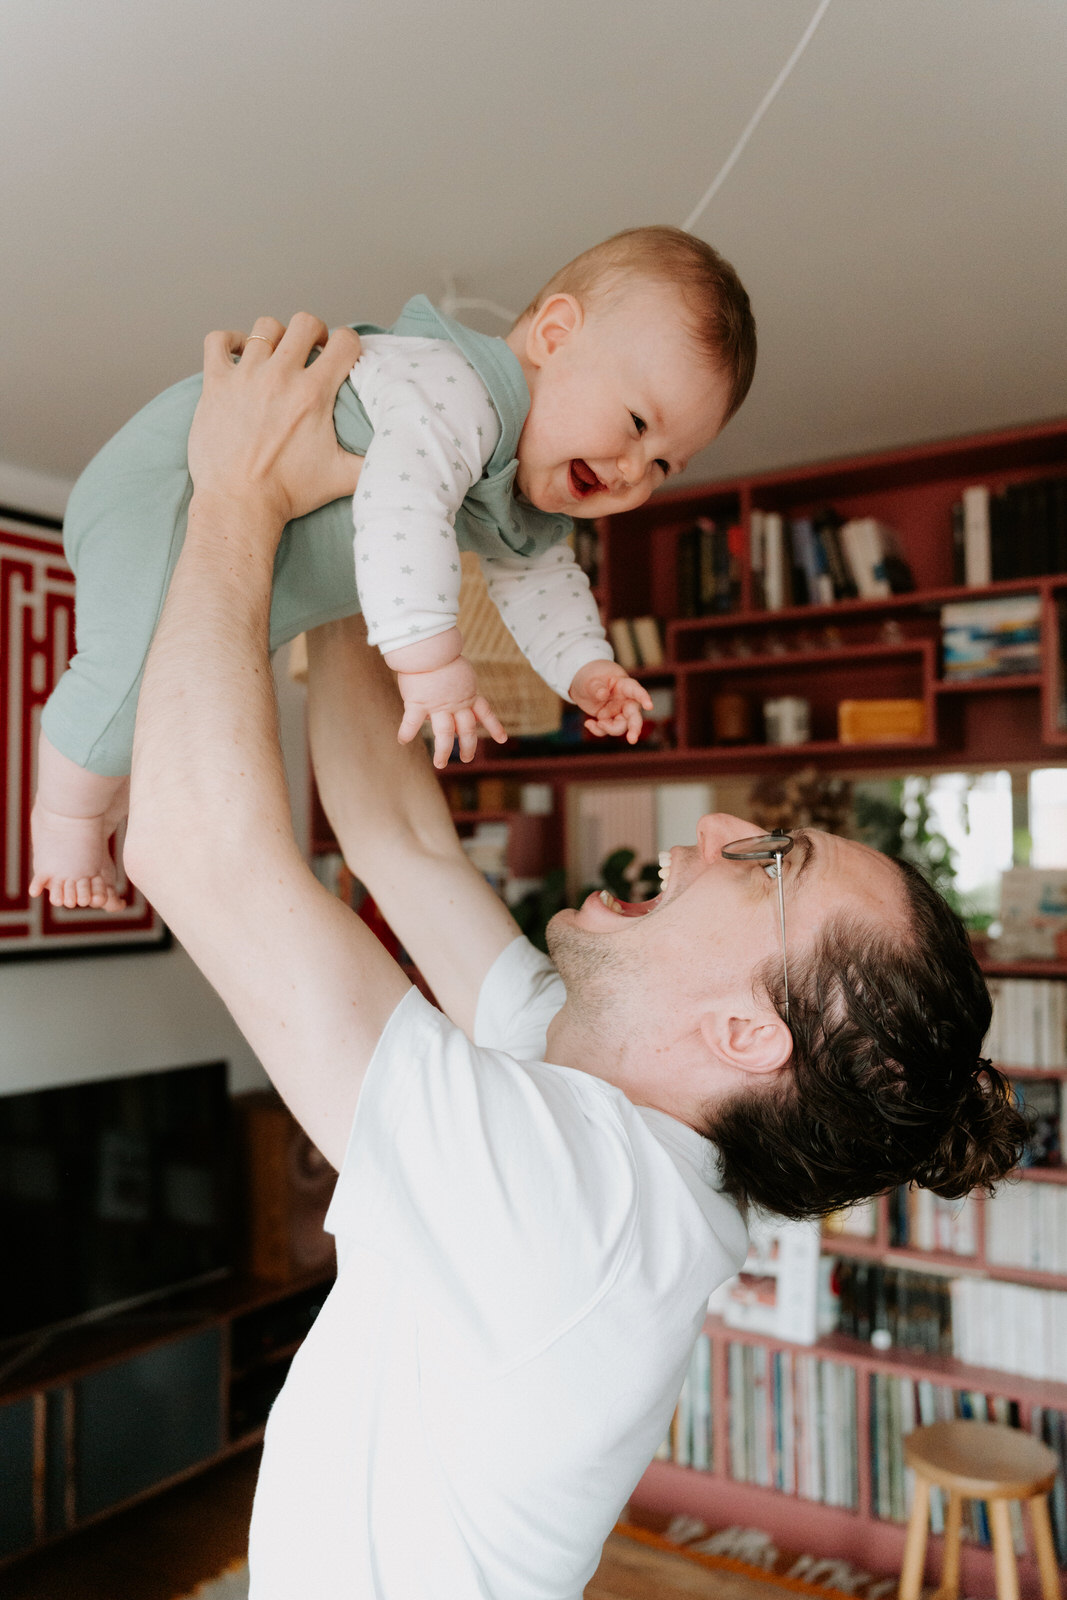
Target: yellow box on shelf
{"points": [[880, 721]]}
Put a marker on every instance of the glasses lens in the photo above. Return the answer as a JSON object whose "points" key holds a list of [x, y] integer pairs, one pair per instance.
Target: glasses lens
{"points": [[758, 848]]}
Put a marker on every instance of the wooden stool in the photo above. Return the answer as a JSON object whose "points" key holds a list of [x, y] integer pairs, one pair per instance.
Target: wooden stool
{"points": [[979, 1461]]}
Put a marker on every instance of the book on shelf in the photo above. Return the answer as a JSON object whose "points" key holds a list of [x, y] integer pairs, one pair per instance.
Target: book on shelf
{"points": [[623, 643], [792, 1423], [1041, 1102], [688, 1442], [892, 1306], [1026, 1227], [1020, 532], [709, 562], [1029, 1026], [777, 1290], [922, 1220], [998, 637], [1013, 1326], [820, 559], [1033, 919], [873, 552], [637, 641]]}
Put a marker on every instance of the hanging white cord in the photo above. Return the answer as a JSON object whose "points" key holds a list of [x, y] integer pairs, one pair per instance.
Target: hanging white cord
{"points": [[451, 302], [756, 118]]}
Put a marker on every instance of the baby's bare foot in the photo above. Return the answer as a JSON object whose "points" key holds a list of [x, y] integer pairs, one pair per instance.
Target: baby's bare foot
{"points": [[72, 861]]}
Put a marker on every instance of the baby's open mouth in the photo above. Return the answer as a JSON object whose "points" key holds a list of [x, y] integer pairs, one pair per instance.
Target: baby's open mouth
{"points": [[584, 480]]}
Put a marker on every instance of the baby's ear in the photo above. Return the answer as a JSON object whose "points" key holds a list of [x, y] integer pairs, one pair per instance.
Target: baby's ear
{"points": [[551, 325]]}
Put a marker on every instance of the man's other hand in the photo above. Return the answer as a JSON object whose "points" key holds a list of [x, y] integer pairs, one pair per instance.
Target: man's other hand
{"points": [[263, 431]]}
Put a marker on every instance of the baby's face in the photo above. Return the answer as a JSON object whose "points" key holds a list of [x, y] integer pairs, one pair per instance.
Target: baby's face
{"points": [[619, 403]]}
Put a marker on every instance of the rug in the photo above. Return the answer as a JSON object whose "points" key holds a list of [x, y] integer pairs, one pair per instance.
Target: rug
{"points": [[746, 1552]]}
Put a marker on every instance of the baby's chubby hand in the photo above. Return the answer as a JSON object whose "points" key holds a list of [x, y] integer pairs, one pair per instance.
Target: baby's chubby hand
{"points": [[445, 692], [613, 700]]}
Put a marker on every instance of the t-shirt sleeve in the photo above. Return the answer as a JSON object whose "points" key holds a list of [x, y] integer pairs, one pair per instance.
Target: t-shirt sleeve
{"points": [[503, 1193], [520, 995]]}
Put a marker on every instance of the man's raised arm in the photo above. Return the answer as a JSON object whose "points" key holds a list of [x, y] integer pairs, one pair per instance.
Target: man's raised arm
{"points": [[210, 840], [389, 816]]}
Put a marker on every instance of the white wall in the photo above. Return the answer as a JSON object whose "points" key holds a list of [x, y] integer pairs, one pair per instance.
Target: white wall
{"points": [[68, 1020]]}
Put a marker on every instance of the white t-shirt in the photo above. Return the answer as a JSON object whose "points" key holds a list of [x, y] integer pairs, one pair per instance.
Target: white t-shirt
{"points": [[524, 1263], [435, 428]]}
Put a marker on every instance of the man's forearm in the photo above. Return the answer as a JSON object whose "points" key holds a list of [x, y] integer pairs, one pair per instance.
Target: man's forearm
{"points": [[390, 818], [208, 786], [375, 791]]}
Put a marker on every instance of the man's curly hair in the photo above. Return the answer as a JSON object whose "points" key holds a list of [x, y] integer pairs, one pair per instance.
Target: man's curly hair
{"points": [[886, 1084]]}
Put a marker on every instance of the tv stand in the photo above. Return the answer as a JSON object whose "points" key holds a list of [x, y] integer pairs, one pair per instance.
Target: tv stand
{"points": [[97, 1416]]}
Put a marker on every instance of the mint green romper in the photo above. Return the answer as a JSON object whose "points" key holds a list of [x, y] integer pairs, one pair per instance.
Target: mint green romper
{"points": [[126, 518]]}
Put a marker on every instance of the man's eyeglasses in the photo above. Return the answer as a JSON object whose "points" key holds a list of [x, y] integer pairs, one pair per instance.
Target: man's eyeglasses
{"points": [[768, 849]]}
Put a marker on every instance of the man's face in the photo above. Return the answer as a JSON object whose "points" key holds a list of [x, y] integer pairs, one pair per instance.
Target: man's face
{"points": [[653, 972], [618, 405]]}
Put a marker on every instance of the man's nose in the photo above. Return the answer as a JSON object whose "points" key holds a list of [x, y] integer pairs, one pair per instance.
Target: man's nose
{"points": [[719, 828]]}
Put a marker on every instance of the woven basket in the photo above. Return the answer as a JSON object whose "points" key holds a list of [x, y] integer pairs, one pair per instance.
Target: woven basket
{"points": [[524, 703]]}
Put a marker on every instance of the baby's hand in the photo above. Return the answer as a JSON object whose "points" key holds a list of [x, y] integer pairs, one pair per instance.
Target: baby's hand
{"points": [[449, 697], [612, 699]]}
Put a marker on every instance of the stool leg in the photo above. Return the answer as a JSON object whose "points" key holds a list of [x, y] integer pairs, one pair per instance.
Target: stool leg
{"points": [[1003, 1553], [949, 1587], [1044, 1549], [911, 1572]]}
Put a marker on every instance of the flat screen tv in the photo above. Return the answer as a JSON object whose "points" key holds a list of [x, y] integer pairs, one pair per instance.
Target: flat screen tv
{"points": [[112, 1193]]}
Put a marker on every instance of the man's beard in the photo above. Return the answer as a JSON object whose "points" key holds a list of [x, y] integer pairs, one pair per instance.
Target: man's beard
{"points": [[593, 971]]}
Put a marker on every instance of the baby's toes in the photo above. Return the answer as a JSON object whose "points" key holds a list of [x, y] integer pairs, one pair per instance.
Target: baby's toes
{"points": [[83, 892], [99, 893]]}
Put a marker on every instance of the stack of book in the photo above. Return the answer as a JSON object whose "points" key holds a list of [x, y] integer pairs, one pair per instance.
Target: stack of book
{"points": [[1026, 1226], [804, 561], [993, 638], [689, 1440], [1019, 533], [1029, 1027], [921, 1220], [709, 568], [793, 1424], [636, 641], [1010, 1325], [893, 1306]]}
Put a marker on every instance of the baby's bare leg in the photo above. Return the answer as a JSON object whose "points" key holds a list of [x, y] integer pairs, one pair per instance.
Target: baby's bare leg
{"points": [[74, 815]]}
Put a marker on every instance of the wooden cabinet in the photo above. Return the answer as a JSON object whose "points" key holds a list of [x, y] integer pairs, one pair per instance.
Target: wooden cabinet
{"points": [[96, 1417]]}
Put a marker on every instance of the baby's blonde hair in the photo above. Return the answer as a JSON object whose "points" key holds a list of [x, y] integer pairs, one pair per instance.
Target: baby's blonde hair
{"points": [[722, 321]]}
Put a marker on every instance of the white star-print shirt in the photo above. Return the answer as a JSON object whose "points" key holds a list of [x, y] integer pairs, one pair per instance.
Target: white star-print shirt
{"points": [[435, 428]]}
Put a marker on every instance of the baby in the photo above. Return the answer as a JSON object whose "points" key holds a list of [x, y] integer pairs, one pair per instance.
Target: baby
{"points": [[628, 361]]}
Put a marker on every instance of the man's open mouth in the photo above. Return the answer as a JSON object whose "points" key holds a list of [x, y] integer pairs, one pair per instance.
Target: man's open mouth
{"points": [[584, 480], [641, 908]]}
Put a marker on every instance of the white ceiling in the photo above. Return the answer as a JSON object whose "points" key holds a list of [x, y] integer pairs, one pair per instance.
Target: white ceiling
{"points": [[899, 216]]}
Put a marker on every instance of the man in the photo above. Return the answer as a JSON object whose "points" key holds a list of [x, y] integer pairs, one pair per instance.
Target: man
{"points": [[528, 1224]]}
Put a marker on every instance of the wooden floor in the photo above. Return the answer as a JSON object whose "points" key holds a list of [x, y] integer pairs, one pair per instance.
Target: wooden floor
{"points": [[163, 1548]]}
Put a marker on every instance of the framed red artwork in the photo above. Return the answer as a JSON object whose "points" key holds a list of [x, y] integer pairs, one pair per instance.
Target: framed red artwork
{"points": [[36, 642]]}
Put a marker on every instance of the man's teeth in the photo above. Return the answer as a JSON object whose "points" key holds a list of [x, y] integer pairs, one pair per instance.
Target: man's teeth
{"points": [[664, 869], [608, 899]]}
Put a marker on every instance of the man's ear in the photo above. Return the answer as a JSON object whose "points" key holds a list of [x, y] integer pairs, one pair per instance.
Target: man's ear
{"points": [[750, 1044], [551, 325]]}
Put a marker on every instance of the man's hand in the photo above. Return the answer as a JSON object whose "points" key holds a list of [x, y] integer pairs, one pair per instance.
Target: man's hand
{"points": [[263, 431], [612, 699]]}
